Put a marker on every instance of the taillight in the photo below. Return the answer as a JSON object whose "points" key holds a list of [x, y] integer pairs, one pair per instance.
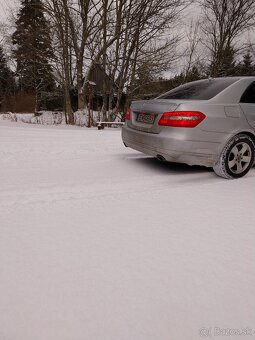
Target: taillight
{"points": [[187, 119], [128, 114]]}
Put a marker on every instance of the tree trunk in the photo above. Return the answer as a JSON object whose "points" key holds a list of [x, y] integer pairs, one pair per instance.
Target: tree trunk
{"points": [[68, 106], [80, 87], [36, 103]]}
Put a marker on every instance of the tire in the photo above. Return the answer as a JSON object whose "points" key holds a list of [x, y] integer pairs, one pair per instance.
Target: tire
{"points": [[236, 158]]}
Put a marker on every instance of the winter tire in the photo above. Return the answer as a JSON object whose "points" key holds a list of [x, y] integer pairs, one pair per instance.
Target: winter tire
{"points": [[236, 158]]}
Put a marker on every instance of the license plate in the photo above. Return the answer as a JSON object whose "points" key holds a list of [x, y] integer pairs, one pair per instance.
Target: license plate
{"points": [[147, 118]]}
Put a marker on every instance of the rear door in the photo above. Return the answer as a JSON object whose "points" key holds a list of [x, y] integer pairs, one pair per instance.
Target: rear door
{"points": [[247, 104]]}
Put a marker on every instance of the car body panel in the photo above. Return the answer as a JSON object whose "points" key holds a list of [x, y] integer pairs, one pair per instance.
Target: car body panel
{"points": [[173, 147], [249, 112]]}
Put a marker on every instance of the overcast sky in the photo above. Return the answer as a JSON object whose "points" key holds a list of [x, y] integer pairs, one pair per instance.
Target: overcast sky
{"points": [[5, 6], [10, 6]]}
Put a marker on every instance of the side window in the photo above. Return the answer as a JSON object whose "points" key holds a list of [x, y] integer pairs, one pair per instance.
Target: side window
{"points": [[249, 94]]}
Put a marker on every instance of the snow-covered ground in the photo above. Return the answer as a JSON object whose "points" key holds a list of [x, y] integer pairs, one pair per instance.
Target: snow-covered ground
{"points": [[99, 242]]}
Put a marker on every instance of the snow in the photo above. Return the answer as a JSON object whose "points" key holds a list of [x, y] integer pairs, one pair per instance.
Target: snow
{"points": [[101, 242], [81, 118]]}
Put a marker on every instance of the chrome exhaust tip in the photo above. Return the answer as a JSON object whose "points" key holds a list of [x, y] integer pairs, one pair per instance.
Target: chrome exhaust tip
{"points": [[160, 158]]}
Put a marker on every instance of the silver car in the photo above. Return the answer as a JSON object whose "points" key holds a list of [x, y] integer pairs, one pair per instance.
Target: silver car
{"points": [[209, 122]]}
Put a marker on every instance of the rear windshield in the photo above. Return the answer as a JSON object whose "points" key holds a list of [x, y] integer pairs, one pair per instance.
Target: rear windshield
{"points": [[200, 90]]}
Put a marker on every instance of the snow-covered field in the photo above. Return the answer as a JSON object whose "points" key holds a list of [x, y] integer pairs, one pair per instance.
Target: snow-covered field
{"points": [[99, 242]]}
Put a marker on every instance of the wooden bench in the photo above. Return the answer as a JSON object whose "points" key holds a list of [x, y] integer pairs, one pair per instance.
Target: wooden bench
{"points": [[101, 125]]}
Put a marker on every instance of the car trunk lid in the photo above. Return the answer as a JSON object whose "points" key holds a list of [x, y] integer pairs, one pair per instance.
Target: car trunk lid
{"points": [[145, 114]]}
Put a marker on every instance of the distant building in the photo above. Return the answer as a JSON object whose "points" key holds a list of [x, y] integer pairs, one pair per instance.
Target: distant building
{"points": [[25, 102]]}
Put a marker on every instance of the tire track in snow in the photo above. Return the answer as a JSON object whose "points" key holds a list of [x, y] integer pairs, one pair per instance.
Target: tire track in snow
{"points": [[13, 197]]}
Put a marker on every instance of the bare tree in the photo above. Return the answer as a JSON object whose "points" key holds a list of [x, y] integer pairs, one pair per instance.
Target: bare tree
{"points": [[83, 19], [118, 35], [62, 50], [193, 58], [144, 39], [87, 22], [224, 21]]}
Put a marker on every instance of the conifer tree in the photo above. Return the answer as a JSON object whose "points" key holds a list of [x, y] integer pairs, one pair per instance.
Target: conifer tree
{"points": [[247, 67], [223, 63], [7, 83], [33, 50]]}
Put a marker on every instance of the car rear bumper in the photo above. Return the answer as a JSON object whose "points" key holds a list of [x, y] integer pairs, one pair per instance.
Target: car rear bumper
{"points": [[173, 148]]}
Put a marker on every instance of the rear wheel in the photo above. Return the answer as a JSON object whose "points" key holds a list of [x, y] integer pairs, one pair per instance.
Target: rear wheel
{"points": [[236, 158]]}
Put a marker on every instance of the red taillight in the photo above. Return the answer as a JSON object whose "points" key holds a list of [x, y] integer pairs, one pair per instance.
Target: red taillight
{"points": [[187, 119], [128, 114]]}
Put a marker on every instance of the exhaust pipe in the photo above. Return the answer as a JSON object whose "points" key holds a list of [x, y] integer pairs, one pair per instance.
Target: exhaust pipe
{"points": [[160, 158]]}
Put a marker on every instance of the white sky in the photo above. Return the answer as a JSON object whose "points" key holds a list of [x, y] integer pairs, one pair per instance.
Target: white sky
{"points": [[9, 7], [6, 6]]}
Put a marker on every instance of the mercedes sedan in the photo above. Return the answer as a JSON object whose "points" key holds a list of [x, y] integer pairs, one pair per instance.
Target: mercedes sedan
{"points": [[208, 122]]}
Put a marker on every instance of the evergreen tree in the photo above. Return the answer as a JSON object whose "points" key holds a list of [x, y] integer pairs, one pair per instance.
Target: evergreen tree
{"points": [[33, 50], [7, 82], [246, 67], [193, 74], [223, 63]]}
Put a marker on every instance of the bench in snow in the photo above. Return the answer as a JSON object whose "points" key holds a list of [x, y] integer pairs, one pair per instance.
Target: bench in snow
{"points": [[101, 125]]}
